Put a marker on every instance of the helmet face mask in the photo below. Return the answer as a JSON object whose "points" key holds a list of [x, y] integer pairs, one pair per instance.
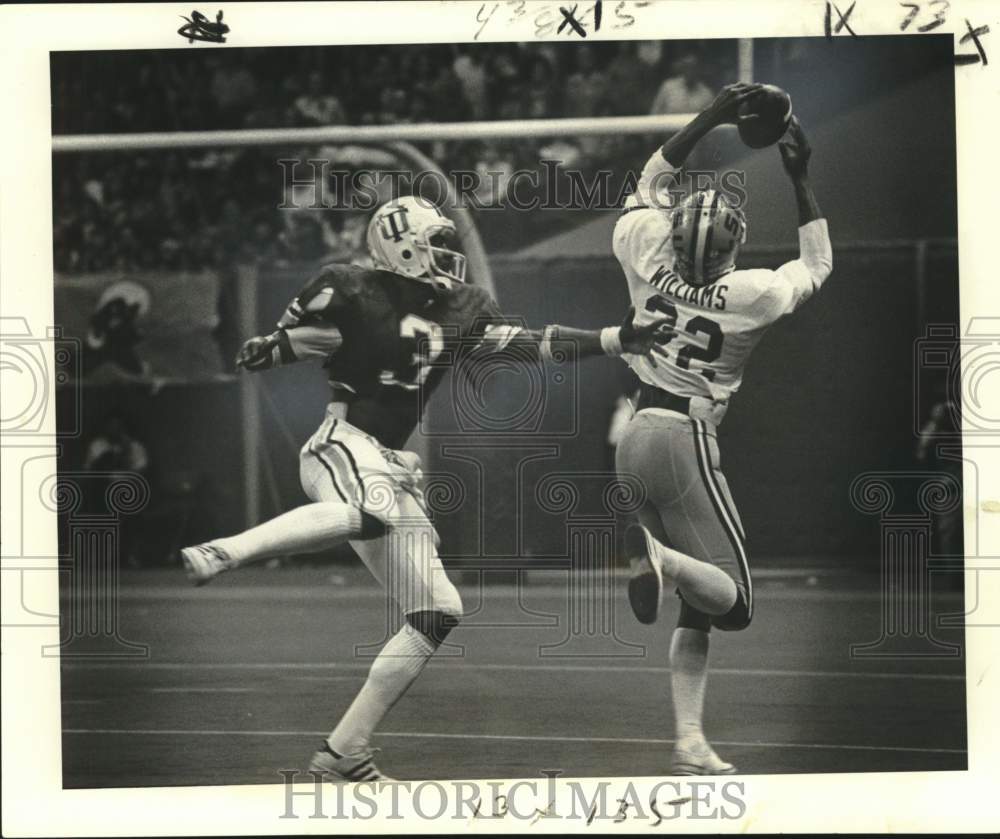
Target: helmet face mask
{"points": [[446, 257], [706, 236], [410, 236]]}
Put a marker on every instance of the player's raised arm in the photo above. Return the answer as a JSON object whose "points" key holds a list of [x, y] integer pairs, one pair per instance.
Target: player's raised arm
{"points": [[724, 110], [805, 275], [653, 187]]}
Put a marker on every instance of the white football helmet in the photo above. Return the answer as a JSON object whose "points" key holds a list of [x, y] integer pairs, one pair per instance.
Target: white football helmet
{"points": [[410, 236], [707, 234]]}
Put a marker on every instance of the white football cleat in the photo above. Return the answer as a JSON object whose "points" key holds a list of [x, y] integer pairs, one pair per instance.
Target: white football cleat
{"points": [[347, 769], [645, 589], [202, 563], [693, 756]]}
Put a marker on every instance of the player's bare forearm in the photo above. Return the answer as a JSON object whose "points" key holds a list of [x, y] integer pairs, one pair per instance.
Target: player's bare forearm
{"points": [[537, 344], [795, 155], [805, 200], [724, 110], [612, 340], [676, 150], [586, 342]]}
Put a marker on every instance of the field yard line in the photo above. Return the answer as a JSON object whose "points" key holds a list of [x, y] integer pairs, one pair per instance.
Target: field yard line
{"points": [[542, 668], [518, 737], [207, 689]]}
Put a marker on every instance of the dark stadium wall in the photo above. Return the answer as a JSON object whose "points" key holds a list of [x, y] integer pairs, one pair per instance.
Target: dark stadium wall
{"points": [[884, 151]]}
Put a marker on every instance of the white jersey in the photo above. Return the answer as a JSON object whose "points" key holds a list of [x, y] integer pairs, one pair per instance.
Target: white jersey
{"points": [[715, 327]]}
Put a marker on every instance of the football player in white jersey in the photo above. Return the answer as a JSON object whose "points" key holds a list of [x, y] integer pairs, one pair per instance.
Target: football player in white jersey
{"points": [[680, 262]]}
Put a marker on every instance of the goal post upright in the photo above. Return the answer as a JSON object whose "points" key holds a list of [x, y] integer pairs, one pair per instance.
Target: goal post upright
{"points": [[744, 60], [246, 315]]}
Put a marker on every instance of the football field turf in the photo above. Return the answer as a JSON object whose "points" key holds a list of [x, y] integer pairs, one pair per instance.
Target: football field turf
{"points": [[245, 676]]}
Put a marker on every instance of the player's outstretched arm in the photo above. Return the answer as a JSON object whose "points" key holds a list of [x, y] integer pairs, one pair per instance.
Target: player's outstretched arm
{"points": [[814, 237], [724, 110], [612, 340], [798, 280], [653, 188], [795, 154]]}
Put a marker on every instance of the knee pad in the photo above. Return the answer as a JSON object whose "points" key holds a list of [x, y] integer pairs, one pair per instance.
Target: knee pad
{"points": [[691, 618], [434, 626], [739, 616]]}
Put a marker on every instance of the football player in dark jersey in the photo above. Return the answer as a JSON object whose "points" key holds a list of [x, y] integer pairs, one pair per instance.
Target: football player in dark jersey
{"points": [[386, 337]]}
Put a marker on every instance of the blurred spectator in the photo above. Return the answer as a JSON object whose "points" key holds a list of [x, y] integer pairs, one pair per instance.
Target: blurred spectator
{"points": [[627, 77], [471, 75], [392, 105], [112, 449], [504, 76], [233, 89], [319, 107], [540, 93], [447, 99], [650, 53], [494, 172], [684, 92], [586, 96], [586, 86]]}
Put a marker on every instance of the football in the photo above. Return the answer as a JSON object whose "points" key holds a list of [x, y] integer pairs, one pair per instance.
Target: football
{"points": [[774, 107]]}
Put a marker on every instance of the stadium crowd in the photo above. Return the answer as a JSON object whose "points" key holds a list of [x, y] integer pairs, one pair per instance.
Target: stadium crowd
{"points": [[210, 207]]}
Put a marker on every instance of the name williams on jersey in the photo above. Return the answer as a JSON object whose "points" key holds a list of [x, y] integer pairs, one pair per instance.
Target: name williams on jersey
{"points": [[709, 297]]}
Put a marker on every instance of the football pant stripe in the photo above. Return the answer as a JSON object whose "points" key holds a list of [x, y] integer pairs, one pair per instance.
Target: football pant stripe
{"points": [[731, 514], [330, 471], [737, 534], [721, 509], [350, 457], [354, 466]]}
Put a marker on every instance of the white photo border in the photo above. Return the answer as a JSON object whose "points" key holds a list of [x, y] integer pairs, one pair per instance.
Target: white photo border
{"points": [[34, 802]]}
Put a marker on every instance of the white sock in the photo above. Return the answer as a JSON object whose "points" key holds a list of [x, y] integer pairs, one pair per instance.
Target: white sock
{"points": [[393, 671], [312, 527], [709, 589], [688, 674]]}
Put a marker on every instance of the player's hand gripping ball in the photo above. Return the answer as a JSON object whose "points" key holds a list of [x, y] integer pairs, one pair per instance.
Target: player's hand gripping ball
{"points": [[765, 117]]}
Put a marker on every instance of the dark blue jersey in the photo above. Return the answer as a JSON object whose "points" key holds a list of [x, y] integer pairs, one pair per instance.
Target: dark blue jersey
{"points": [[393, 340]]}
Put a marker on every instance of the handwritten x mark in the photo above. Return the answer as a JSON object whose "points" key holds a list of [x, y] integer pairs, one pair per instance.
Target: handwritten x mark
{"points": [[570, 20], [973, 35], [842, 23]]}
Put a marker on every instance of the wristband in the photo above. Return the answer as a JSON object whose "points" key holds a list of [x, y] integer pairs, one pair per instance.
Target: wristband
{"points": [[611, 340]]}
